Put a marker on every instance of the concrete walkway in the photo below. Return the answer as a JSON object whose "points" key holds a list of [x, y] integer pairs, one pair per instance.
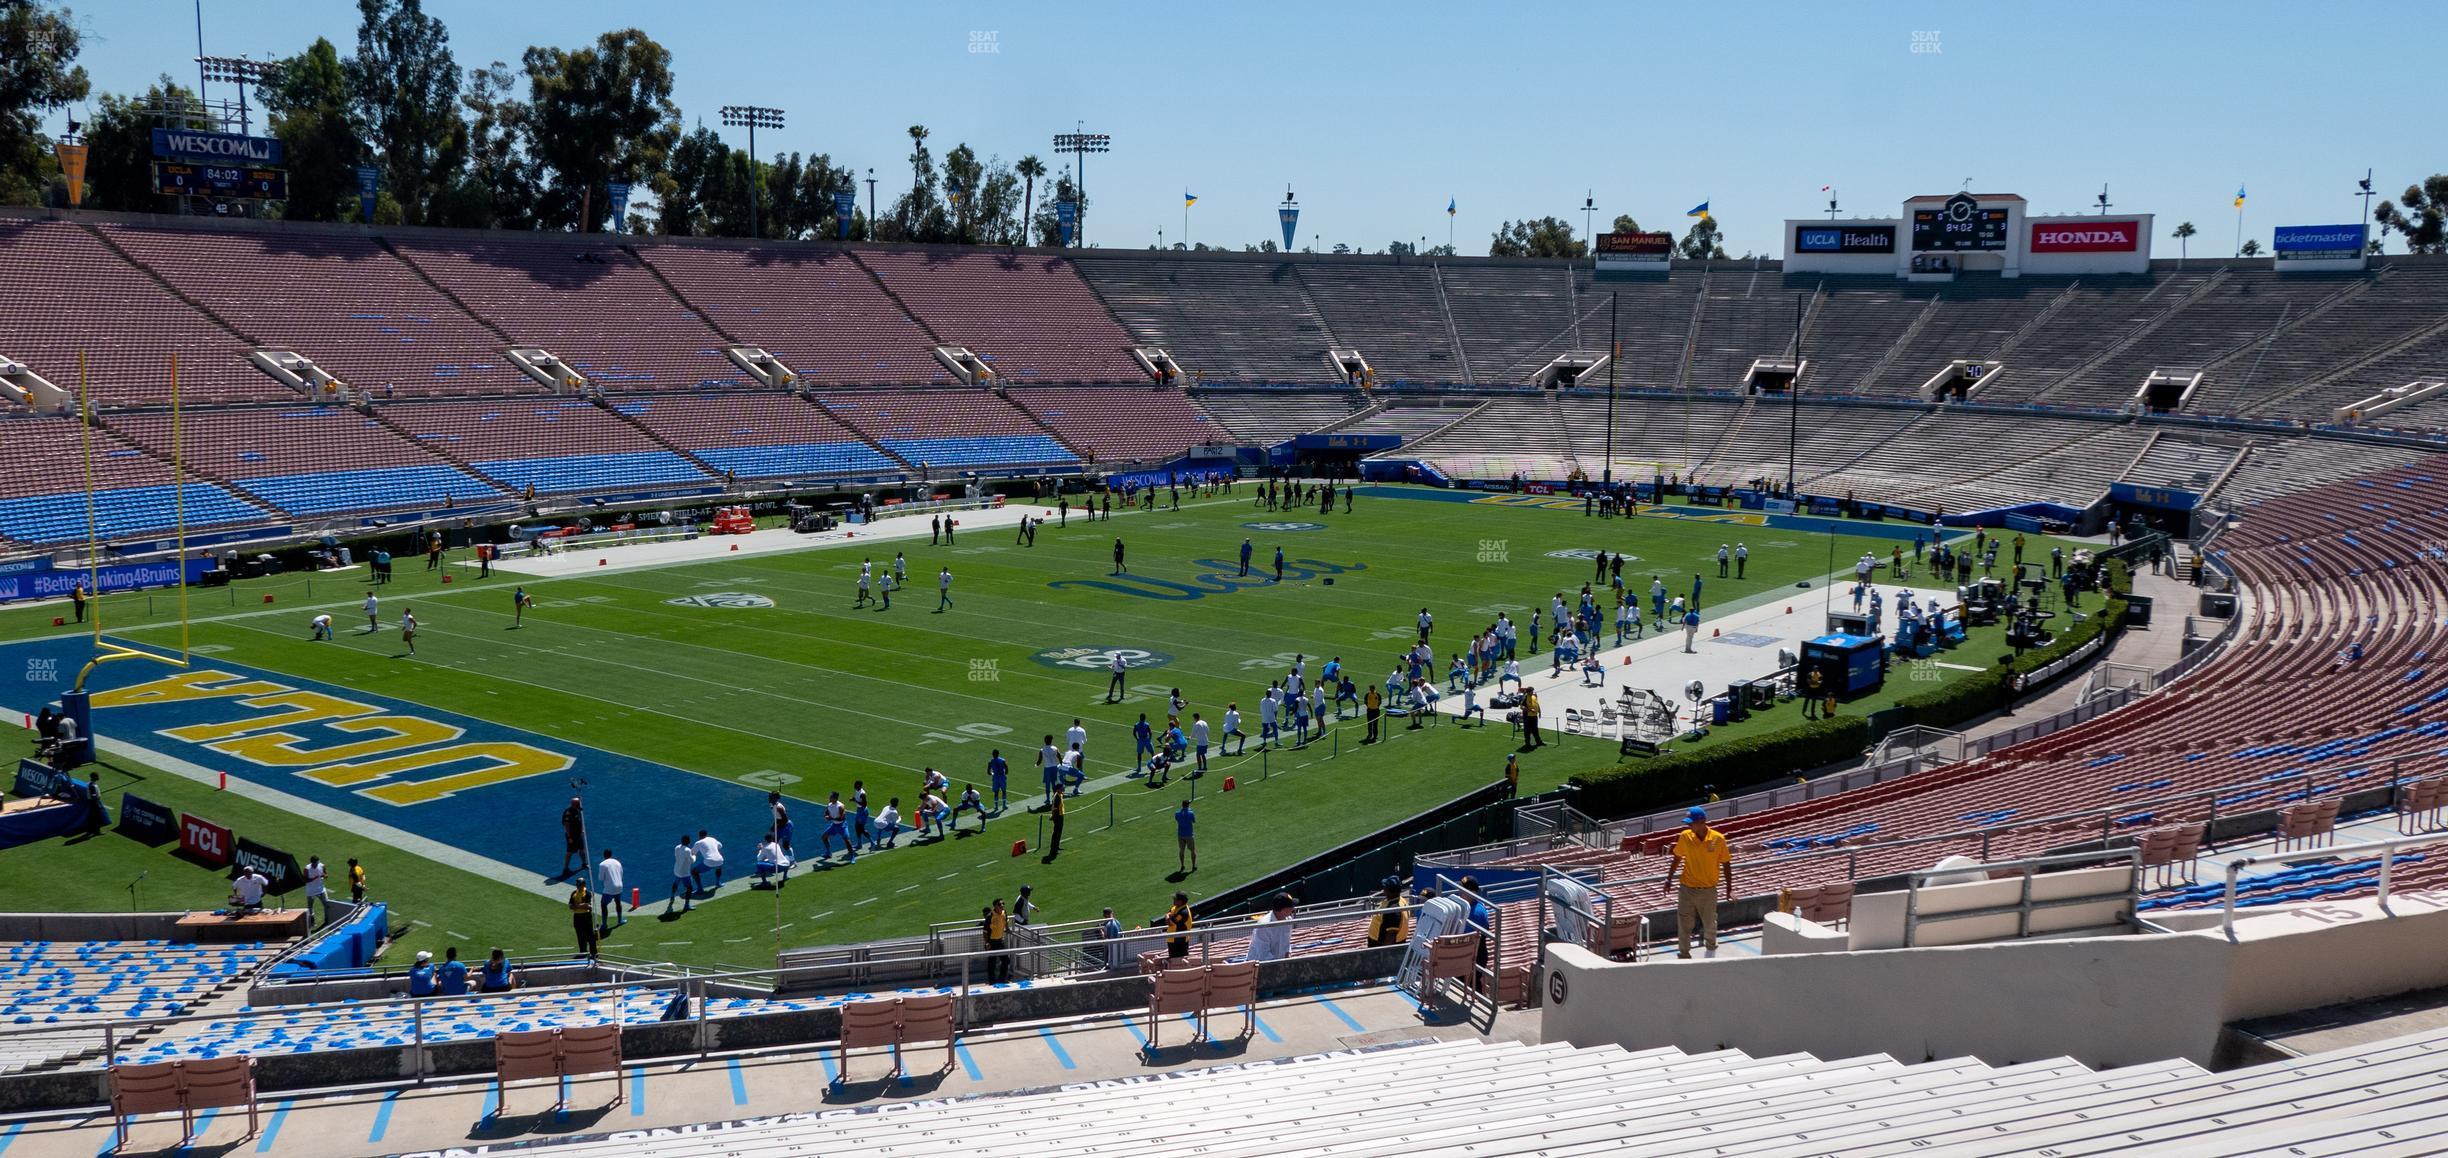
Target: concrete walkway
{"points": [[463, 1113]]}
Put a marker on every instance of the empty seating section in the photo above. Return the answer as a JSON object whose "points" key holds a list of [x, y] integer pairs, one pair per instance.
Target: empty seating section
{"points": [[1511, 434], [1028, 315], [309, 460], [1748, 314], [133, 493], [1267, 417], [1514, 319], [1408, 420], [1116, 424], [1390, 313], [2182, 463], [2385, 336], [757, 435], [72, 983], [2280, 468], [959, 429], [1652, 318], [1493, 1097], [1222, 321], [2096, 313], [69, 294], [340, 299], [818, 310], [1975, 319], [1858, 321], [2243, 309], [590, 303], [558, 446]]}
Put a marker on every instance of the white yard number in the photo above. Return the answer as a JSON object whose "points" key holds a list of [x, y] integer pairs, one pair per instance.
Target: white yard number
{"points": [[968, 732]]}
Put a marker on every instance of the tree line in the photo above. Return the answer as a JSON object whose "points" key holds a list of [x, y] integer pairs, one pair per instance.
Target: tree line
{"points": [[538, 145]]}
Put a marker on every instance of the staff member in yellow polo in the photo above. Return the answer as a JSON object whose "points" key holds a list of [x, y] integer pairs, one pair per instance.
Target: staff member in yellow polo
{"points": [[1702, 865]]}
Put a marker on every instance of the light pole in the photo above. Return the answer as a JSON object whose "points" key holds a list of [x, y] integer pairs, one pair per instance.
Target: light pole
{"points": [[1589, 214], [2102, 200], [753, 117], [1614, 355], [2363, 189], [242, 72], [871, 218], [1082, 143]]}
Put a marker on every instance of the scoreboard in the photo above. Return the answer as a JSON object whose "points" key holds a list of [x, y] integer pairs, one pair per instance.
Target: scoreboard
{"points": [[180, 179], [1960, 224]]}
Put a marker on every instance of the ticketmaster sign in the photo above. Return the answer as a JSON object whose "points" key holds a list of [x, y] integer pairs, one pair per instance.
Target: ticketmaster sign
{"points": [[2306, 242]]}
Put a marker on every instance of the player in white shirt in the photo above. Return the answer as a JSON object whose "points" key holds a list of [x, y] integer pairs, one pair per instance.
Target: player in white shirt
{"points": [[1232, 728], [887, 825], [1426, 624], [408, 628], [319, 627], [943, 590], [709, 859], [1268, 706], [866, 577], [1198, 741], [684, 865], [373, 613], [1077, 737], [1512, 675]]}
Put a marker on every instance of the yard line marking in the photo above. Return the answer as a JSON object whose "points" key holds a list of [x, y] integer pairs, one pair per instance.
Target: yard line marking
{"points": [[382, 1117], [1054, 1043], [905, 888], [418, 923], [949, 876], [1329, 1005], [861, 901], [455, 934], [817, 917]]}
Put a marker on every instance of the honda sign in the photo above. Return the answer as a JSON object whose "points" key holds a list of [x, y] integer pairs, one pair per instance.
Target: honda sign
{"points": [[2087, 236]]}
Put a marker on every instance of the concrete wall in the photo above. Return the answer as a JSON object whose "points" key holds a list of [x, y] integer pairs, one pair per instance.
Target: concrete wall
{"points": [[2104, 1001], [94, 927]]}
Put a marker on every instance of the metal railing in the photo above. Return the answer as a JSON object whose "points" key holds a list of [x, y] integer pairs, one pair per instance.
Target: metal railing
{"points": [[2385, 850], [2023, 906]]}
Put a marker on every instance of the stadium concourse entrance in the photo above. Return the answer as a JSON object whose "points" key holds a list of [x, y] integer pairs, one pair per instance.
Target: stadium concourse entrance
{"points": [[1329, 455]]}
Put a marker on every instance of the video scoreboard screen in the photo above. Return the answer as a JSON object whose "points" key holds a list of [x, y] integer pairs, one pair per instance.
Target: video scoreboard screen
{"points": [[1962, 223]]}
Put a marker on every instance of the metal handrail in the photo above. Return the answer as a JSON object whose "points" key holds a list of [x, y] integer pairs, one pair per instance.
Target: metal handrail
{"points": [[2384, 849]]}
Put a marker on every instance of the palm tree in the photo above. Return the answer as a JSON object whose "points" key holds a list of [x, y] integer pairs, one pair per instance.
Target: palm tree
{"points": [[1030, 169], [920, 163], [2183, 234]]}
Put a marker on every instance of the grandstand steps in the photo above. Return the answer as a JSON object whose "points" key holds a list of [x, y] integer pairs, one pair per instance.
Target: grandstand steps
{"points": [[2039, 321], [682, 298], [1453, 333], [1691, 336], [1309, 303], [1464, 417], [2004, 462], [1868, 449], [1563, 429], [648, 436], [2077, 373], [1363, 414], [112, 244], [1041, 424], [923, 325], [2428, 333], [438, 447], [1706, 464], [432, 283], [2348, 295], [1572, 306], [1895, 350]]}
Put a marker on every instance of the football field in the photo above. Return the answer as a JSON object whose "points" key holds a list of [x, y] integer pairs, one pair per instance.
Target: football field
{"points": [[682, 693]]}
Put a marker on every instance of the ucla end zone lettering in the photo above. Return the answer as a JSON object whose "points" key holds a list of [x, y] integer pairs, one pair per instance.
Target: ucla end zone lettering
{"points": [[461, 782]]}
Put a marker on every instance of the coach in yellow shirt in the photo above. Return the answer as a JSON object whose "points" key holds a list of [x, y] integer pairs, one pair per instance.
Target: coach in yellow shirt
{"points": [[1702, 865]]}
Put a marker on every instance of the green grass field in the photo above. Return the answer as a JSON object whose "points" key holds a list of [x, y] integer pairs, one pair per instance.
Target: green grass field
{"points": [[811, 693]]}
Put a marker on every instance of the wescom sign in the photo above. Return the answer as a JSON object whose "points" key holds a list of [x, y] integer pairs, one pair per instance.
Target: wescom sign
{"points": [[2102, 236]]}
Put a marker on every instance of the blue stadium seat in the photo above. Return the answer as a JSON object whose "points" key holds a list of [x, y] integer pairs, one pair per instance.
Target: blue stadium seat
{"points": [[365, 490], [594, 472]]}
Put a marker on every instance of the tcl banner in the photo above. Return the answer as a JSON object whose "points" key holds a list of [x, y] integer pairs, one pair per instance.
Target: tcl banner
{"points": [[206, 841], [2103, 235]]}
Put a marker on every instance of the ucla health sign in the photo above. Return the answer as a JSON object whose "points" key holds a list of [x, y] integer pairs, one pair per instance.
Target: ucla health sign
{"points": [[2309, 242], [1844, 239], [197, 147]]}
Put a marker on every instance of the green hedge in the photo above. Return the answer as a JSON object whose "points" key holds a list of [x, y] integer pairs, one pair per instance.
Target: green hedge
{"points": [[1726, 765]]}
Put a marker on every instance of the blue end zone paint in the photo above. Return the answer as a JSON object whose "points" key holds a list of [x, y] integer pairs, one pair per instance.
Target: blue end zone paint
{"points": [[1055, 1043], [382, 1117], [510, 821], [1328, 1004], [637, 1092], [739, 1083], [263, 1145], [968, 1063]]}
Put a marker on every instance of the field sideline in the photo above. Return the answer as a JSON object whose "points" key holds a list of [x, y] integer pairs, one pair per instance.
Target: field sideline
{"points": [[682, 693]]}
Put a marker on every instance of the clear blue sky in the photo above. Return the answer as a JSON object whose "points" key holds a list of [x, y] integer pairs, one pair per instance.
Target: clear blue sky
{"points": [[1375, 113]]}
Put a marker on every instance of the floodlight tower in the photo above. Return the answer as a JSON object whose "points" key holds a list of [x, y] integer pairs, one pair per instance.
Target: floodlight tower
{"points": [[1082, 143], [752, 117], [240, 71]]}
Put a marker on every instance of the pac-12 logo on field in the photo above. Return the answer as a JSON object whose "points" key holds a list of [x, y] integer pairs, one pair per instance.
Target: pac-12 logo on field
{"points": [[1586, 555], [721, 599], [1100, 658], [1284, 526]]}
